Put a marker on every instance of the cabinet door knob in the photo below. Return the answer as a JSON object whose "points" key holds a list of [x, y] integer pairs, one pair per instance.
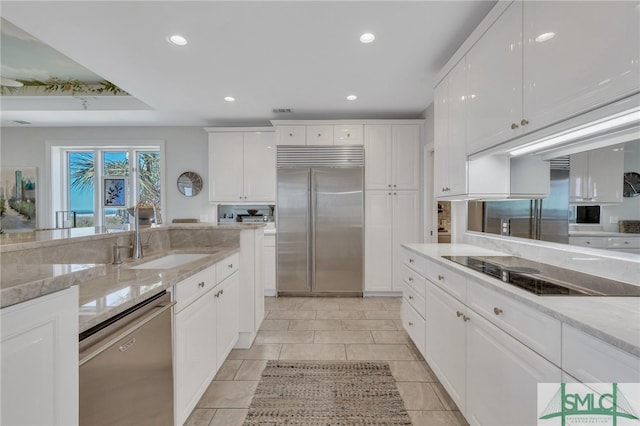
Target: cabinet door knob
{"points": [[497, 311], [395, 193], [319, 134], [222, 291], [410, 279], [348, 135], [410, 260], [291, 134], [440, 277], [465, 318], [230, 265], [410, 324], [395, 186], [410, 297], [459, 314], [524, 122], [588, 242], [389, 185], [389, 193], [201, 284], [217, 294], [514, 126]]}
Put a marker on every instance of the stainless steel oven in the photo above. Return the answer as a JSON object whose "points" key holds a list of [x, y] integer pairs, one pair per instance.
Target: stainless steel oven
{"points": [[126, 367]]}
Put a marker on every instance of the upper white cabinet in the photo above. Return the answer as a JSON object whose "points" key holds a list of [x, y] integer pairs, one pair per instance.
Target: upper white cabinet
{"points": [[317, 133], [450, 164], [494, 83], [392, 156], [596, 176], [540, 63], [242, 166], [347, 134]]}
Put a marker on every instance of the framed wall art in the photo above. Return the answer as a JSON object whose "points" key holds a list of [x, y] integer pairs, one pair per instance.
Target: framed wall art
{"points": [[114, 192]]}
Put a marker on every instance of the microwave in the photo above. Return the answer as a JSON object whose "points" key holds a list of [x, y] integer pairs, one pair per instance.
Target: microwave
{"points": [[588, 214]]}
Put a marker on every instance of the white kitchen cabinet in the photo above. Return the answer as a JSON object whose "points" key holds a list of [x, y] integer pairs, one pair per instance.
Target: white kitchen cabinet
{"points": [[446, 342], [319, 135], [392, 156], [39, 361], [494, 83], [347, 134], [291, 135], [242, 166], [391, 218], [596, 176], [227, 316], [500, 369], [251, 293], [450, 161], [269, 265], [588, 62]]}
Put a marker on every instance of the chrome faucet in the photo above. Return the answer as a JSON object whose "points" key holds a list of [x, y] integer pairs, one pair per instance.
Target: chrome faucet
{"points": [[137, 242]]}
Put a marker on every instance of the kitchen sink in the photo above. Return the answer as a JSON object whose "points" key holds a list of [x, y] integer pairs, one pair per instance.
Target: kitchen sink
{"points": [[170, 261]]}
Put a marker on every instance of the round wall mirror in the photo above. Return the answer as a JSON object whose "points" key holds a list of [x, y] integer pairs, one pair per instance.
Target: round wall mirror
{"points": [[189, 184]]}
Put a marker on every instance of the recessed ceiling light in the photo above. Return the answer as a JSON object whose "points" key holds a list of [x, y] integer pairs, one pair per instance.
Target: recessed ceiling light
{"points": [[352, 97], [367, 38], [178, 40], [545, 36], [229, 98]]}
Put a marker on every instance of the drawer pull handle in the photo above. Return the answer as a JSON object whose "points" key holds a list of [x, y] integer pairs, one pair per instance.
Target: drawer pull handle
{"points": [[497, 311], [201, 284], [410, 260], [222, 291], [440, 277], [459, 314], [465, 318], [514, 126], [410, 324], [410, 297], [410, 279], [230, 265], [217, 294]]}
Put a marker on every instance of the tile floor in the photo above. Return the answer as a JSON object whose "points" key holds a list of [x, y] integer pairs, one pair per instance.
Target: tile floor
{"points": [[300, 328]]}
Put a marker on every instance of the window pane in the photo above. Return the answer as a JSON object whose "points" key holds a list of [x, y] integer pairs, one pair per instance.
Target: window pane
{"points": [[116, 163], [81, 187], [149, 175]]}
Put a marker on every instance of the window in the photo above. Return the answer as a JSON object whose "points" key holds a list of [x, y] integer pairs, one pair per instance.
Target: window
{"points": [[100, 183]]}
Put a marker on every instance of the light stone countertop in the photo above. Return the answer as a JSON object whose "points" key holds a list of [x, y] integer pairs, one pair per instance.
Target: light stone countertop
{"points": [[603, 234], [122, 287], [615, 320]]}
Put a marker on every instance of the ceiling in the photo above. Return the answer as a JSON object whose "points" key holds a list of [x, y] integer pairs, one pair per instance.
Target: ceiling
{"points": [[303, 55]]}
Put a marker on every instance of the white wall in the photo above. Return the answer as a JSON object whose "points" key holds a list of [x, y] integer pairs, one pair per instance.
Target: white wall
{"points": [[186, 150]]}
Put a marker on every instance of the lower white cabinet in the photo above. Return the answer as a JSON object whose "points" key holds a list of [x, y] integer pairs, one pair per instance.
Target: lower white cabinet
{"points": [[227, 316], [39, 359], [269, 265], [251, 287], [502, 376]]}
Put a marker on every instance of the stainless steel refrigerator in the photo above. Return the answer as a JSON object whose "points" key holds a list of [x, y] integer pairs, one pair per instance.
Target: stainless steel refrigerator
{"points": [[319, 239]]}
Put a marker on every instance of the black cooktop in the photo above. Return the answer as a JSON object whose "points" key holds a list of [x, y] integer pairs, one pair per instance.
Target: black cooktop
{"points": [[544, 280]]}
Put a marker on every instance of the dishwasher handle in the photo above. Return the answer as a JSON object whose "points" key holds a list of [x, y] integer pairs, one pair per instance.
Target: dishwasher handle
{"points": [[102, 345]]}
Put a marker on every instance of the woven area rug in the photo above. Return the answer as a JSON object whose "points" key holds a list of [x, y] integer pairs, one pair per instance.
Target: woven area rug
{"points": [[327, 393]]}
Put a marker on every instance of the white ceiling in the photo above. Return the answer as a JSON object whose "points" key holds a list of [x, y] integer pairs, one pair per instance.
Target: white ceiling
{"points": [[303, 55]]}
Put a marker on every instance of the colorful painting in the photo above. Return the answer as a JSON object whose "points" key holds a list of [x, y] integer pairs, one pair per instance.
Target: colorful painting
{"points": [[18, 199], [114, 192]]}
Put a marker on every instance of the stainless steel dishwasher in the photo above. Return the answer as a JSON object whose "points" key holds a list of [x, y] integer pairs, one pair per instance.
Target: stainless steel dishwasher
{"points": [[126, 367]]}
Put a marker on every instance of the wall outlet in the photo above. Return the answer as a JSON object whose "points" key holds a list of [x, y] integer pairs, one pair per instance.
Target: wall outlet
{"points": [[613, 219]]}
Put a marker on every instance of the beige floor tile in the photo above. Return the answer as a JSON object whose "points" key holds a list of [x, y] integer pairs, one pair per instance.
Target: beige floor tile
{"points": [[327, 324], [229, 417], [340, 315], [228, 369], [444, 397], [379, 352], [398, 323], [383, 324], [200, 417], [343, 337], [411, 371], [251, 369], [354, 306], [327, 352], [290, 314], [393, 337], [266, 337], [419, 396], [435, 418], [318, 305], [257, 352], [382, 315], [235, 394], [274, 324]]}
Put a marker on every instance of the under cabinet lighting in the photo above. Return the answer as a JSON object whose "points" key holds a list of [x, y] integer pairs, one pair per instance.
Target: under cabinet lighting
{"points": [[367, 38], [616, 120], [178, 40]]}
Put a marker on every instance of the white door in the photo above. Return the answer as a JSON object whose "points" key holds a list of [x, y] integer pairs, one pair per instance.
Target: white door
{"points": [[259, 167], [377, 156], [406, 229], [441, 137], [457, 165], [494, 82], [195, 353], [377, 240], [445, 345], [225, 167], [405, 156], [227, 314], [598, 45], [502, 376]]}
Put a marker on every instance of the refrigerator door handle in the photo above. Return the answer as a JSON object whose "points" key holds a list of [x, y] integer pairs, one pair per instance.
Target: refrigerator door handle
{"points": [[312, 232]]}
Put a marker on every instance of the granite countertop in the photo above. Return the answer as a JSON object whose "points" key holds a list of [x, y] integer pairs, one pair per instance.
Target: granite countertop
{"points": [[615, 320], [122, 287]]}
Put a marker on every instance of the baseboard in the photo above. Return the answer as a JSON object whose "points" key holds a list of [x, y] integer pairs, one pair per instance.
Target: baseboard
{"points": [[245, 340], [269, 292], [382, 294]]}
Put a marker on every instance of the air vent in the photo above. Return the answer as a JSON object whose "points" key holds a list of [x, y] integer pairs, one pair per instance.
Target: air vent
{"points": [[560, 163], [21, 122], [281, 110]]}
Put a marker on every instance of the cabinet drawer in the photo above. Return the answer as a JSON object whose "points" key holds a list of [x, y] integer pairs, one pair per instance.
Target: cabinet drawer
{"points": [[450, 281], [536, 330], [190, 289], [415, 326], [226, 267], [623, 243], [414, 279], [594, 242], [591, 360], [415, 299], [290, 135], [347, 134], [414, 261], [319, 135]]}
